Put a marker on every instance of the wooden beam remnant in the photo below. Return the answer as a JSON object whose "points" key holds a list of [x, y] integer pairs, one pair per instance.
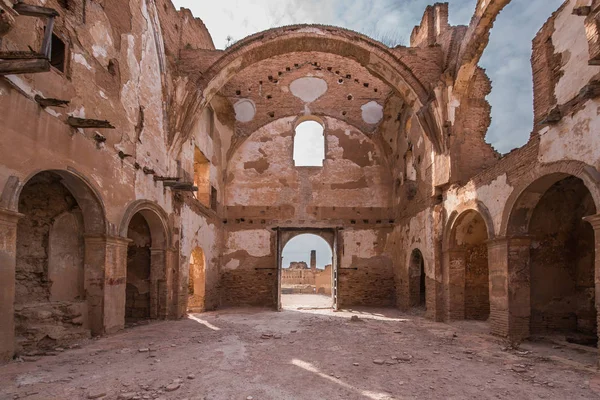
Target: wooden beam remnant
{"points": [[166, 178], [89, 123], [44, 102], [20, 55], [181, 186], [35, 11], [185, 187], [24, 66]]}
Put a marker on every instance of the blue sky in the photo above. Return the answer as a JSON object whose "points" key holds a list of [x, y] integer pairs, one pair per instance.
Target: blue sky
{"points": [[298, 249], [507, 58]]}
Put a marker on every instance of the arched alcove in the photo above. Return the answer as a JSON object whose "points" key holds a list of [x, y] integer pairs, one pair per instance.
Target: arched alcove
{"points": [[417, 280], [468, 269], [557, 287], [197, 281], [58, 209], [145, 224]]}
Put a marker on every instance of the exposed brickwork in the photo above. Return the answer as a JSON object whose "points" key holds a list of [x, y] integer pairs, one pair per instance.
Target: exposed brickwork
{"points": [[546, 66]]}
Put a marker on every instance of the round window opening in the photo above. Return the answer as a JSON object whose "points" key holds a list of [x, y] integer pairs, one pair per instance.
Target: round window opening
{"points": [[309, 144]]}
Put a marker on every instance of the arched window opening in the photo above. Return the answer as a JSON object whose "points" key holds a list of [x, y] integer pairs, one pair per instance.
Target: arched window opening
{"points": [[306, 276], [309, 144]]}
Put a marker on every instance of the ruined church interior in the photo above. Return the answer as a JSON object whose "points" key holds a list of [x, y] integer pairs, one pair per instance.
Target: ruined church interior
{"points": [[307, 213]]}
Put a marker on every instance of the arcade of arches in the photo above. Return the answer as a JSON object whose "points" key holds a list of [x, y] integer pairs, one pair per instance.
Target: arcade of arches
{"points": [[184, 206]]}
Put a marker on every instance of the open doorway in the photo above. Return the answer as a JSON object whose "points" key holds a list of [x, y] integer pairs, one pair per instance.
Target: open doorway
{"points": [[307, 271], [417, 281], [196, 284]]}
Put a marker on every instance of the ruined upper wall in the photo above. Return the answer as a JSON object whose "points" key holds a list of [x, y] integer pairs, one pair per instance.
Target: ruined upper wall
{"points": [[433, 24], [181, 30], [262, 174], [567, 86], [120, 66]]}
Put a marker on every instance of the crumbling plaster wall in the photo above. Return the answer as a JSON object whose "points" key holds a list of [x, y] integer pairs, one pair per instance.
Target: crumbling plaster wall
{"points": [[121, 67], [421, 232], [249, 268], [568, 144], [117, 93], [199, 224], [574, 136], [365, 273], [572, 139], [199, 231], [262, 172]]}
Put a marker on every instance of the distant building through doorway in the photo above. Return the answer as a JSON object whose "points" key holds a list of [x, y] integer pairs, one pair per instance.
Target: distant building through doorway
{"points": [[306, 286]]}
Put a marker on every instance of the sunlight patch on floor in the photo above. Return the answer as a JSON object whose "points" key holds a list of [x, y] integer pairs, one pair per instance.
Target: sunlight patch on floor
{"points": [[203, 322], [367, 393]]}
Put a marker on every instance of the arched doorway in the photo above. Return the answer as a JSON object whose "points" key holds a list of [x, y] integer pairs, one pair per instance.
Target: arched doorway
{"points": [[54, 303], [146, 291], [469, 294], [197, 281], [137, 291], [307, 272], [417, 280], [561, 259]]}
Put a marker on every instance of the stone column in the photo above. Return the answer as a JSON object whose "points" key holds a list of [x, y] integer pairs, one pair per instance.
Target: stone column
{"points": [[106, 278], [456, 284], [173, 280], [94, 260], [594, 220], [8, 261], [158, 284], [510, 306], [436, 302]]}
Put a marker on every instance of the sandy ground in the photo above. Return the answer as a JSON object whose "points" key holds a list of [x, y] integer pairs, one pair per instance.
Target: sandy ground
{"points": [[295, 301], [311, 354]]}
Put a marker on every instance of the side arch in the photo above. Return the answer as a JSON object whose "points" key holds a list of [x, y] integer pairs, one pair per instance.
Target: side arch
{"points": [[465, 265], [86, 194], [155, 216], [157, 258], [521, 203], [474, 205]]}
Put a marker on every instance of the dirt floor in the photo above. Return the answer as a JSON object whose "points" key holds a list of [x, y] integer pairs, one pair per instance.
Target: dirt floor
{"points": [[314, 301], [309, 354]]}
